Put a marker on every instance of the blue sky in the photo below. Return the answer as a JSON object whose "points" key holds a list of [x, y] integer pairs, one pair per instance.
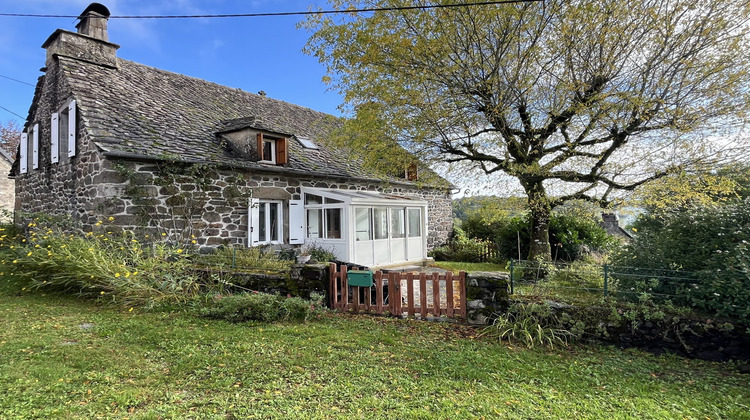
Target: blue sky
{"points": [[253, 53]]}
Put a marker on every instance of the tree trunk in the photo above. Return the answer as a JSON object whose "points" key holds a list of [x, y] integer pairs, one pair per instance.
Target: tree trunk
{"points": [[540, 208]]}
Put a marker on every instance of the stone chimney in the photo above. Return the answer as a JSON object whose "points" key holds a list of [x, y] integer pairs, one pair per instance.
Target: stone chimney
{"points": [[90, 44], [611, 224]]}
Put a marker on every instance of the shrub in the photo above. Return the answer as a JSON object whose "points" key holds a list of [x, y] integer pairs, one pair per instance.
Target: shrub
{"points": [[462, 249], [708, 244], [257, 258], [263, 307], [319, 253]]}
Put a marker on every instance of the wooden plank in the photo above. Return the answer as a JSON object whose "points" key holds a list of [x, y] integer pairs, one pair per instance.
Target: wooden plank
{"points": [[449, 294], [379, 292], [344, 289], [355, 295], [368, 298], [332, 290], [435, 294], [462, 291], [423, 295], [410, 294], [398, 310]]}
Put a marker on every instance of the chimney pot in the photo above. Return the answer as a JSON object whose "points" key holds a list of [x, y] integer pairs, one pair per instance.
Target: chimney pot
{"points": [[94, 21]]}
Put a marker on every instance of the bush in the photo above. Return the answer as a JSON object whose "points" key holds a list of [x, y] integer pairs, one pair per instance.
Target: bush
{"points": [[529, 324], [709, 244], [462, 249], [257, 258], [570, 235], [263, 307]]}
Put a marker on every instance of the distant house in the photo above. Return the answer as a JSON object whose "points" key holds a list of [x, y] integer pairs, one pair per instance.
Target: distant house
{"points": [[165, 154], [7, 185], [611, 224]]}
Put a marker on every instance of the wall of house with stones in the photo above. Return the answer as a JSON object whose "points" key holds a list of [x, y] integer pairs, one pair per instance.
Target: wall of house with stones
{"points": [[7, 191], [210, 206], [62, 188]]}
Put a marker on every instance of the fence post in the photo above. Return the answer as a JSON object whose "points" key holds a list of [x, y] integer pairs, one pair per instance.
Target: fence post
{"points": [[606, 278], [511, 276]]}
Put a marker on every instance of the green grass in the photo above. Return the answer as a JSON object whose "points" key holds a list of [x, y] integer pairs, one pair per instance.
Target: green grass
{"points": [[469, 267], [137, 365]]}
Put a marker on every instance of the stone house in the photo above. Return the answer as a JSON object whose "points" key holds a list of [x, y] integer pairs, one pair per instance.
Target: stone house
{"points": [[183, 159]]}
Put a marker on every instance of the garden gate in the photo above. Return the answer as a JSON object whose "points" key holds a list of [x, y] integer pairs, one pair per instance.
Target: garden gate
{"points": [[399, 294]]}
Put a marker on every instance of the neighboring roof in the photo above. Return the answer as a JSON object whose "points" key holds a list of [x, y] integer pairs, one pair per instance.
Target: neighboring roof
{"points": [[5, 155], [143, 112]]}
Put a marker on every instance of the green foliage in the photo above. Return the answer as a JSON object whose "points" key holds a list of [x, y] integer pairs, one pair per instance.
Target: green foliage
{"points": [[709, 244], [265, 307], [529, 324], [461, 249], [255, 258], [572, 235], [319, 253]]}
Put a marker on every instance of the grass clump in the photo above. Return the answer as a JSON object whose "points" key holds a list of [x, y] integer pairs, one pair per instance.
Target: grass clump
{"points": [[255, 258], [529, 324]]}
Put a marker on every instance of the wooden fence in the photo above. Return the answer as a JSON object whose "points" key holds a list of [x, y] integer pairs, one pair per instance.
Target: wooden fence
{"points": [[435, 294]]}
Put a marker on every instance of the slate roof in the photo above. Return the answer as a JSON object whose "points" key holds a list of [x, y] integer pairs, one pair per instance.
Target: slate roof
{"points": [[143, 112]]}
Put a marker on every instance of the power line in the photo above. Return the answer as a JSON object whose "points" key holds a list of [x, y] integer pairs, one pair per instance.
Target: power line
{"points": [[16, 80], [6, 109], [303, 13]]}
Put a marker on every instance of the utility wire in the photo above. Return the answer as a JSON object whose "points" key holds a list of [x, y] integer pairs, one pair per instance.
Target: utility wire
{"points": [[304, 13], [6, 109], [16, 80]]}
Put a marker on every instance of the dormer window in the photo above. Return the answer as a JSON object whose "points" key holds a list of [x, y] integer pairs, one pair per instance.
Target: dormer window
{"points": [[272, 149]]}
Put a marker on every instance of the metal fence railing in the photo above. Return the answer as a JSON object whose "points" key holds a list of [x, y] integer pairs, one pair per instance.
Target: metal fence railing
{"points": [[577, 281]]}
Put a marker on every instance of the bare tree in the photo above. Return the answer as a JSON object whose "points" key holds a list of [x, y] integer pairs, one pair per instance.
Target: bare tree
{"points": [[575, 99], [10, 136]]}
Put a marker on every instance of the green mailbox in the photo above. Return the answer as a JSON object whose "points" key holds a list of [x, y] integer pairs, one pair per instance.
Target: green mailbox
{"points": [[359, 278]]}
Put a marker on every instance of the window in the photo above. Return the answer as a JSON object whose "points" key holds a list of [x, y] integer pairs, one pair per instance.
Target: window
{"points": [[380, 222], [272, 149], [29, 143], [414, 222], [363, 224], [307, 143], [35, 147], [266, 224], [397, 223], [24, 153], [324, 217], [63, 133]]}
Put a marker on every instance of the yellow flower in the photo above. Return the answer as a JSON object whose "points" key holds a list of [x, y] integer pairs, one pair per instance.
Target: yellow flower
{"points": [[15, 261], [117, 274], [163, 234], [135, 272], [127, 274], [111, 218], [131, 310], [179, 251], [194, 241], [29, 254], [99, 223], [102, 292]]}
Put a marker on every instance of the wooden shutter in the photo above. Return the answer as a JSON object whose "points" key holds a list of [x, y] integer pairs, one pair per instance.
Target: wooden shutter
{"points": [[281, 151], [253, 220], [259, 138], [296, 222], [35, 148], [55, 138], [24, 153], [72, 129]]}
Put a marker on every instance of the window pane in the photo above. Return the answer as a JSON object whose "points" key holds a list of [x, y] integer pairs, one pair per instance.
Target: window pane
{"points": [[397, 223], [267, 152], [62, 130], [314, 223], [363, 224], [262, 231], [313, 199], [333, 223], [415, 224], [332, 201], [274, 221], [381, 223]]}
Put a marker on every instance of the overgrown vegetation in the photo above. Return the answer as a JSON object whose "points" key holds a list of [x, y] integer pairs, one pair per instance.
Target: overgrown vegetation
{"points": [[710, 241], [264, 307], [529, 324]]}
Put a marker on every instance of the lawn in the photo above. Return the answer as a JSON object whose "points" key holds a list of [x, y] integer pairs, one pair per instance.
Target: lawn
{"points": [[65, 358]]}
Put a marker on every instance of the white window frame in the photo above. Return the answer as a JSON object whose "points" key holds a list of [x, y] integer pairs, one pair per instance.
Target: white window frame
{"points": [[254, 211], [72, 128], [341, 206], [272, 141]]}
